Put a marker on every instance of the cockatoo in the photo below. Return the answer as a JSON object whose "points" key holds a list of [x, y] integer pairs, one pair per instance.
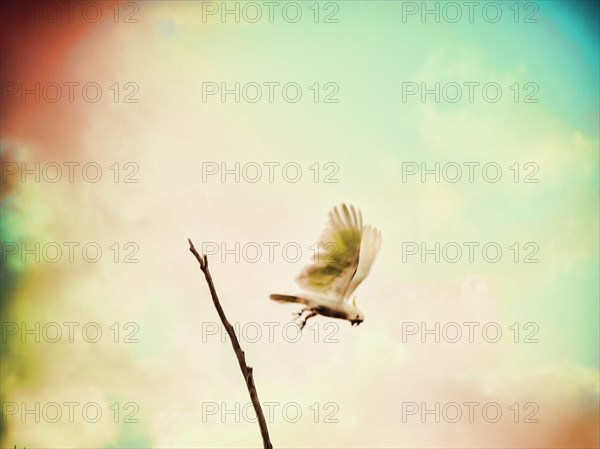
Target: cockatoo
{"points": [[347, 250]]}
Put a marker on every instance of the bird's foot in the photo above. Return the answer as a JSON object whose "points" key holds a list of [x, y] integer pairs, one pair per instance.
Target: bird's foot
{"points": [[306, 318], [299, 314]]}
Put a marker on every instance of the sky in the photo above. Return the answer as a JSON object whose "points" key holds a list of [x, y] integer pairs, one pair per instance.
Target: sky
{"points": [[468, 135]]}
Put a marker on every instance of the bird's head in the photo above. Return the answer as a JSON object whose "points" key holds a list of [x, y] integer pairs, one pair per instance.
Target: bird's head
{"points": [[356, 316]]}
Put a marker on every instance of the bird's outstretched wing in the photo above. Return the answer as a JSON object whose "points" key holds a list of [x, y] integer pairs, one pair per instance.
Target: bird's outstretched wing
{"points": [[369, 247], [339, 255]]}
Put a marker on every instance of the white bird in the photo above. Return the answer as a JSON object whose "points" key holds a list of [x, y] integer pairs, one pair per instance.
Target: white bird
{"points": [[336, 273]]}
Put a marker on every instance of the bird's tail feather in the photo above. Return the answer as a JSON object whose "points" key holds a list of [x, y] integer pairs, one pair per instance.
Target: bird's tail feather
{"points": [[286, 298]]}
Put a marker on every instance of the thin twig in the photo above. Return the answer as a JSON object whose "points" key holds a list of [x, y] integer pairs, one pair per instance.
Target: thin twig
{"points": [[246, 370]]}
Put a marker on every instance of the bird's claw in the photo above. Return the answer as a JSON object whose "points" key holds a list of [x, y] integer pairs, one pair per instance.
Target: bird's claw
{"points": [[299, 314], [306, 318]]}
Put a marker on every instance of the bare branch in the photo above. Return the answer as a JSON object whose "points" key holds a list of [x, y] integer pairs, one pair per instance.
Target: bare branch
{"points": [[246, 370]]}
